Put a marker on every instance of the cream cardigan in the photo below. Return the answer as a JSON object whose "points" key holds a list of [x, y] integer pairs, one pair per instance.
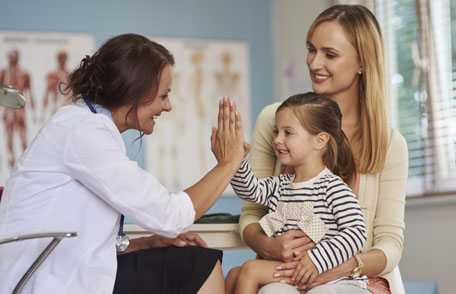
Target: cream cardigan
{"points": [[381, 195]]}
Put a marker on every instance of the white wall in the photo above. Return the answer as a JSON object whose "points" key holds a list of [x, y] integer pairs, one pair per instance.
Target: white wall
{"points": [[290, 22], [430, 242]]}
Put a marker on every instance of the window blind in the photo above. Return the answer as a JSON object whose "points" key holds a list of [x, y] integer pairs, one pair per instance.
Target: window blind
{"points": [[420, 43]]}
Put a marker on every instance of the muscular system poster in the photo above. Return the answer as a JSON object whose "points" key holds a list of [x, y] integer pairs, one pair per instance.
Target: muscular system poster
{"points": [[178, 152], [36, 63]]}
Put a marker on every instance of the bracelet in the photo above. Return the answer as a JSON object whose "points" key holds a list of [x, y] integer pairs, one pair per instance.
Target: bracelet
{"points": [[357, 271]]}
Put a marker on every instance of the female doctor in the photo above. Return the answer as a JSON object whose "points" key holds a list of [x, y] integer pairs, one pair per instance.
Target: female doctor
{"points": [[76, 176]]}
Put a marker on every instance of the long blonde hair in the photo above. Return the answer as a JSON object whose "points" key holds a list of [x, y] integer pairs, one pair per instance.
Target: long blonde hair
{"points": [[363, 31]]}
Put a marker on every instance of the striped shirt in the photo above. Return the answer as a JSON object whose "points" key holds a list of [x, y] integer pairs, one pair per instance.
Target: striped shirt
{"points": [[332, 201]]}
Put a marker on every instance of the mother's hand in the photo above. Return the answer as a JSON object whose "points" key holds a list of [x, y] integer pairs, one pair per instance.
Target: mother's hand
{"points": [[289, 246], [284, 272], [343, 270], [227, 140]]}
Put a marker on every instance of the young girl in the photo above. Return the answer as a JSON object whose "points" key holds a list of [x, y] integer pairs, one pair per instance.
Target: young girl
{"points": [[315, 199]]}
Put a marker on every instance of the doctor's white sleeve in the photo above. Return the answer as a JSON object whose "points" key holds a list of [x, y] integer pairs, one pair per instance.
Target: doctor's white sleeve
{"points": [[95, 155]]}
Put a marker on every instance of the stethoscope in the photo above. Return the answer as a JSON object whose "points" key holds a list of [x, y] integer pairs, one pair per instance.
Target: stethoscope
{"points": [[122, 240]]}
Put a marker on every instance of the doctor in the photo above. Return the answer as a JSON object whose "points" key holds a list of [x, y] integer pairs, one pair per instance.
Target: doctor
{"points": [[76, 176]]}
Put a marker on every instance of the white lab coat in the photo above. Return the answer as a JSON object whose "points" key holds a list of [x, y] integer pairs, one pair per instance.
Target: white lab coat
{"points": [[76, 176]]}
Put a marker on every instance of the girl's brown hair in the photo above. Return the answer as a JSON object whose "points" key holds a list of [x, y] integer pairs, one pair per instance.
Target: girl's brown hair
{"points": [[317, 113], [363, 31]]}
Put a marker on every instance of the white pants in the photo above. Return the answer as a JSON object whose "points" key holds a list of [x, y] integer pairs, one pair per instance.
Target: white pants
{"points": [[340, 287]]}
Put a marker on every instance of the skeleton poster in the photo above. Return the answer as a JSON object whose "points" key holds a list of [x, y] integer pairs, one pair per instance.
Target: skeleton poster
{"points": [[37, 64], [178, 152]]}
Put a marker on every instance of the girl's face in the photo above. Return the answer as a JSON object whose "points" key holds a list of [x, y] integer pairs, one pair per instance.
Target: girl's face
{"points": [[151, 107], [333, 62], [293, 144]]}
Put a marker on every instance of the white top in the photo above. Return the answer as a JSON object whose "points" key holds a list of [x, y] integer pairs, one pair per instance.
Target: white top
{"points": [[76, 176]]}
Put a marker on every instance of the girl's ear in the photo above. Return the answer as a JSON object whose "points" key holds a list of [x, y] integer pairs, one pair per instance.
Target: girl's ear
{"points": [[321, 140]]}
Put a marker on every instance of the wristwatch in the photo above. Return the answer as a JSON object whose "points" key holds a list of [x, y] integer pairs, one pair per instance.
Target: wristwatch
{"points": [[358, 270]]}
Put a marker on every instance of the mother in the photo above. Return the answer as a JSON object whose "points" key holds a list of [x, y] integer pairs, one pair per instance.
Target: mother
{"points": [[76, 176], [346, 62]]}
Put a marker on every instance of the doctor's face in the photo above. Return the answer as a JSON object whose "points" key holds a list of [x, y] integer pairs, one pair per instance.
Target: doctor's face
{"points": [[151, 107]]}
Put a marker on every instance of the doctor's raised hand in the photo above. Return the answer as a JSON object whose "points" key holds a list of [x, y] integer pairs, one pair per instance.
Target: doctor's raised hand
{"points": [[227, 140]]}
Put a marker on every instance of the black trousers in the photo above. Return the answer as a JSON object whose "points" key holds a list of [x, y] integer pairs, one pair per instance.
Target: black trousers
{"points": [[179, 270]]}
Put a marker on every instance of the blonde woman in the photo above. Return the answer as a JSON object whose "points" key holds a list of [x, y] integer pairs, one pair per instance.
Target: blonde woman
{"points": [[346, 62]]}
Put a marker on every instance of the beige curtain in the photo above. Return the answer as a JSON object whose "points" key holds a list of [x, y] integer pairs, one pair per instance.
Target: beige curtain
{"points": [[435, 70]]}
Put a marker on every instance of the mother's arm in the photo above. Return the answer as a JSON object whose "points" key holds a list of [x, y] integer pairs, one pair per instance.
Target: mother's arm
{"points": [[388, 224]]}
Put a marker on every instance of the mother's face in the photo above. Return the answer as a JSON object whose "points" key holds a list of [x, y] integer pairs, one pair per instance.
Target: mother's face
{"points": [[333, 61]]}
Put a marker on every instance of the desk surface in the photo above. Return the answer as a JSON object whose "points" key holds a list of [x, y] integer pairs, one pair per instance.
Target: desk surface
{"points": [[220, 236]]}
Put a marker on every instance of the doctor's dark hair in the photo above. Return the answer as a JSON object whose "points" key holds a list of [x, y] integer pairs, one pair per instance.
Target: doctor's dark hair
{"points": [[317, 113], [122, 71]]}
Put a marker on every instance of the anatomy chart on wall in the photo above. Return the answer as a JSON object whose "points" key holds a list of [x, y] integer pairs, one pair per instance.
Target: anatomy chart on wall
{"points": [[36, 64], [178, 152]]}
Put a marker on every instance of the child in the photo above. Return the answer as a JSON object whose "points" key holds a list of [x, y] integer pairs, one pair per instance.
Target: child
{"points": [[308, 139]]}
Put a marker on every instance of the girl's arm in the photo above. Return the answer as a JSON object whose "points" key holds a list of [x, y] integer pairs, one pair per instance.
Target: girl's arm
{"points": [[333, 251], [388, 223], [248, 187]]}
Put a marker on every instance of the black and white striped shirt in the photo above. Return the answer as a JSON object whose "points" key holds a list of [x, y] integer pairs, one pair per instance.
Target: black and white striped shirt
{"points": [[332, 200]]}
